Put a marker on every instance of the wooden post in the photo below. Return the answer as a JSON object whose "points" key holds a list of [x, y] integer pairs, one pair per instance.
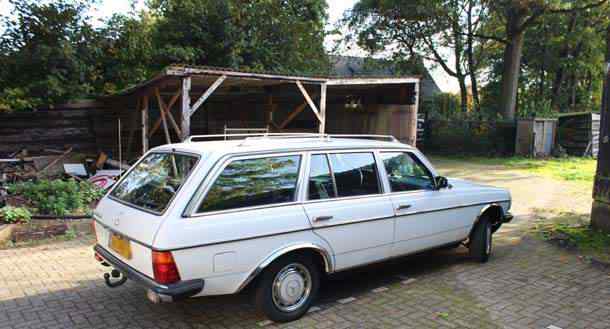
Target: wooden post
{"points": [[144, 111], [322, 126], [185, 123], [409, 115], [600, 212]]}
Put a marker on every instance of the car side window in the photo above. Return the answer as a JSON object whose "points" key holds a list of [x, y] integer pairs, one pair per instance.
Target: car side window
{"points": [[254, 182], [320, 183], [355, 173], [406, 173]]}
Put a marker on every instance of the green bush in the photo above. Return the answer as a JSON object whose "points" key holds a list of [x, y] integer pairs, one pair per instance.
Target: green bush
{"points": [[15, 214], [57, 197]]}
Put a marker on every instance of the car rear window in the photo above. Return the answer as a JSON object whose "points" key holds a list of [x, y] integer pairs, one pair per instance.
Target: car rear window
{"points": [[154, 181]]}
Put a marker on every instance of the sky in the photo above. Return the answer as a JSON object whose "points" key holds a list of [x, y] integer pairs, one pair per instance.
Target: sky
{"points": [[336, 8]]}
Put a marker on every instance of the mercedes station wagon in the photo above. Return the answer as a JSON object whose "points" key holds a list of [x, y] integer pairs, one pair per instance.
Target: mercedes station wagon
{"points": [[278, 212]]}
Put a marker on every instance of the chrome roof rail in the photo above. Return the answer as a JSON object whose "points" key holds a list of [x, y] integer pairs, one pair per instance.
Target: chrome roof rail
{"points": [[250, 135], [259, 136], [388, 138]]}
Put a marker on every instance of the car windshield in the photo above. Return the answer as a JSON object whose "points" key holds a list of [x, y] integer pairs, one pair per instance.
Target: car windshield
{"points": [[154, 181]]}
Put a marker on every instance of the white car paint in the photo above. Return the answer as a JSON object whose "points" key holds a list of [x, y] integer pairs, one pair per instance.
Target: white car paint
{"points": [[228, 248]]}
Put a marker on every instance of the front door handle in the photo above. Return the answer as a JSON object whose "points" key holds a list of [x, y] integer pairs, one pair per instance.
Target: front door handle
{"points": [[322, 218], [403, 207]]}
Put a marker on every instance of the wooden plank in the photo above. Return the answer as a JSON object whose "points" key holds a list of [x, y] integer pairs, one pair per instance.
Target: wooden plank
{"points": [[207, 93], [312, 105], [294, 114], [186, 71], [167, 110], [168, 138]]}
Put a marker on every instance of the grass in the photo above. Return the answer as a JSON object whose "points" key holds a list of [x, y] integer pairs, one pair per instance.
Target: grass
{"points": [[568, 169], [573, 231]]}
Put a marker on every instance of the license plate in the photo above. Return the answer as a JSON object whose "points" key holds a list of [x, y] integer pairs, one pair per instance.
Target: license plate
{"points": [[121, 245]]}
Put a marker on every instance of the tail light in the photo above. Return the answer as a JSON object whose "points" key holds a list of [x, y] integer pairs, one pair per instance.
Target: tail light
{"points": [[164, 267]]}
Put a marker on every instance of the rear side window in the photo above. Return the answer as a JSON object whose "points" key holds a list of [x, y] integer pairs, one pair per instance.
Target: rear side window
{"points": [[154, 181], [254, 182], [355, 173], [320, 185]]}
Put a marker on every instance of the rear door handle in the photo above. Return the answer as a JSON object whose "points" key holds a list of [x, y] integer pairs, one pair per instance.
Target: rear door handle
{"points": [[403, 207], [322, 218]]}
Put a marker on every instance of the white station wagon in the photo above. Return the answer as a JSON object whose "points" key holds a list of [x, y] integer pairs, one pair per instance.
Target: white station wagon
{"points": [[278, 212]]}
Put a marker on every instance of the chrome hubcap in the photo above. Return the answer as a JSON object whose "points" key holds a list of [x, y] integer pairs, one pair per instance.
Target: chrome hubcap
{"points": [[291, 287]]}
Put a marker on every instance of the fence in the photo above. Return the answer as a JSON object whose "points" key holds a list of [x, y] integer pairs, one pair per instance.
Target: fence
{"points": [[470, 137]]}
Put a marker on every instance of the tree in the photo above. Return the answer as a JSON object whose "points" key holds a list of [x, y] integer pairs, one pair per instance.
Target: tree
{"points": [[600, 213], [273, 35], [518, 16], [424, 29], [45, 54]]}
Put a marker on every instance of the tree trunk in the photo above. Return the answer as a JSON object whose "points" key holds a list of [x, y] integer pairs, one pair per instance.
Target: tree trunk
{"points": [[463, 93], [472, 66], [600, 212], [512, 63]]}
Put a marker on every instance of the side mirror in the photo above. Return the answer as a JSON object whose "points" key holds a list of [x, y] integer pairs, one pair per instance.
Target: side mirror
{"points": [[441, 182]]}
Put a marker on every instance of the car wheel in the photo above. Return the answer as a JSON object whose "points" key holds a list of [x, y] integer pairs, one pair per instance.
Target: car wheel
{"points": [[481, 241], [287, 288]]}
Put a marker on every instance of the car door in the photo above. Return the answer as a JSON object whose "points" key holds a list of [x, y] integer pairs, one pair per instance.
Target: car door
{"points": [[425, 217], [346, 207]]}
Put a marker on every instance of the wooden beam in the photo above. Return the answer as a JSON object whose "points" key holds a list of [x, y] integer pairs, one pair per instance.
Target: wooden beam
{"points": [[167, 110], [294, 114], [371, 81], [186, 108], [168, 138], [322, 126], [207, 94], [144, 124], [312, 105]]}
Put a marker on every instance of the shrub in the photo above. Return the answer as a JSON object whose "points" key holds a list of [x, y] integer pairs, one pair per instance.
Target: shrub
{"points": [[57, 197], [15, 214]]}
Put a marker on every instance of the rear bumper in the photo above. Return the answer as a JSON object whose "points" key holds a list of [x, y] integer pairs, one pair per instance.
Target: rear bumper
{"points": [[156, 292], [508, 217]]}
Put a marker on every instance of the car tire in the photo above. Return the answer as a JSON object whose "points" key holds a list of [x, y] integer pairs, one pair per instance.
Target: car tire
{"points": [[481, 241], [287, 288]]}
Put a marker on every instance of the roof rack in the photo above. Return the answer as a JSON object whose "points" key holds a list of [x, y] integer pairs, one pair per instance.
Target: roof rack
{"points": [[255, 136], [249, 135], [389, 138]]}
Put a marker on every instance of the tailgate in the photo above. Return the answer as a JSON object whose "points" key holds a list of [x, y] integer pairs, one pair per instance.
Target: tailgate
{"points": [[136, 226]]}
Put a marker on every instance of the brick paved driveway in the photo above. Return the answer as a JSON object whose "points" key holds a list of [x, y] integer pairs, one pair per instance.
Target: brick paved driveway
{"points": [[526, 284]]}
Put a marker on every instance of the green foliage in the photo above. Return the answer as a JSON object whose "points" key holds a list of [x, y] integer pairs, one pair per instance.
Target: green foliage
{"points": [[569, 169], [269, 35], [562, 62], [443, 105], [574, 231], [10, 214], [45, 54], [51, 54], [57, 197]]}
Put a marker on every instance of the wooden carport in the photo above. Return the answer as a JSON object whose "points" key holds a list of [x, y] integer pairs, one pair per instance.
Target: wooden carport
{"points": [[188, 88]]}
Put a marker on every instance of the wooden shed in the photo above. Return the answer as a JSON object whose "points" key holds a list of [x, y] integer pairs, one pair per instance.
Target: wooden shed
{"points": [[535, 137], [578, 133]]}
